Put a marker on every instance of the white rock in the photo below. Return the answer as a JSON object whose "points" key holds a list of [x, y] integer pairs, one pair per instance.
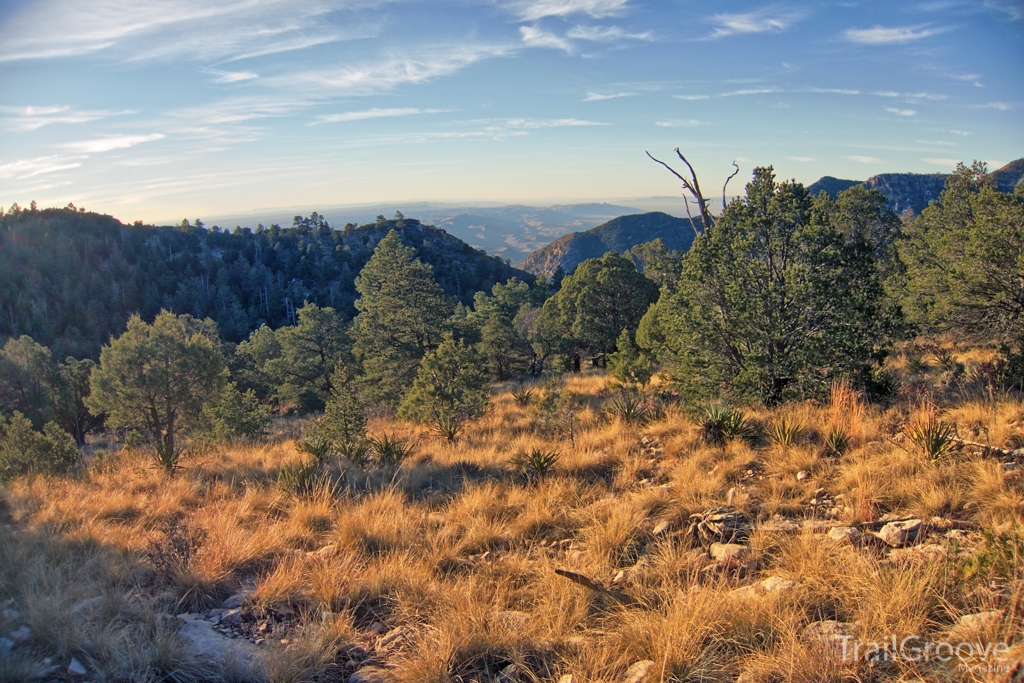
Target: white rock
{"points": [[899, 534], [20, 635], [89, 607], [662, 527], [12, 614], [565, 678], [235, 601], [928, 552], [845, 534], [803, 475], [638, 672], [6, 644], [727, 552], [776, 585], [76, 668], [206, 643]]}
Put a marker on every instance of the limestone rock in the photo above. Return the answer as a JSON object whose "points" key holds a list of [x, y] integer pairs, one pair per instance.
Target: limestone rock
{"points": [[20, 635], [639, 672], [919, 554], [903, 533], [772, 586], [803, 475], [76, 668], [662, 527], [206, 643], [845, 534], [729, 552]]}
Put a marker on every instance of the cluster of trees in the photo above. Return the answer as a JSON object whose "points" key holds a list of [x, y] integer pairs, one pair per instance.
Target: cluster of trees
{"points": [[779, 295]]}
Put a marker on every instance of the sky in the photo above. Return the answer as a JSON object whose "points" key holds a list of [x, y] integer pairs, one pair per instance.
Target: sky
{"points": [[156, 110]]}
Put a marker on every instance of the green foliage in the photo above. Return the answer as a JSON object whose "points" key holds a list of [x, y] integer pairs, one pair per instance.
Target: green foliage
{"points": [[630, 364], [402, 312], [24, 450], [505, 350], [785, 433], [1000, 556], [309, 351], [558, 412], [236, 414], [719, 424], [303, 479], [536, 463], [158, 378], [450, 388], [343, 420], [600, 299], [658, 263], [837, 441], [69, 390], [391, 448], [523, 394], [318, 445], [965, 260], [780, 296], [935, 438], [630, 407]]}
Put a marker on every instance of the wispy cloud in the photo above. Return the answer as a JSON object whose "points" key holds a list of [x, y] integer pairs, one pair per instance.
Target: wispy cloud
{"points": [[170, 29], [692, 97], [680, 123], [960, 132], [232, 76], [881, 35], [30, 168], [864, 160], [599, 97], [942, 162], [761, 21], [900, 112], [550, 123], [1000, 106], [532, 10], [940, 143], [801, 159], [34, 118], [109, 143], [534, 36], [605, 34], [373, 114], [1011, 8]]}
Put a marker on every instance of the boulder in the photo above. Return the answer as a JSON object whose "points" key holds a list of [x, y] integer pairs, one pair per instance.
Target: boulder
{"points": [[772, 586], [729, 552], [902, 533], [845, 534], [918, 554], [206, 643], [639, 672], [235, 601]]}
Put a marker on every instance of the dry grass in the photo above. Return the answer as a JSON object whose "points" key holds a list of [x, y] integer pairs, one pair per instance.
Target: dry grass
{"points": [[442, 569]]}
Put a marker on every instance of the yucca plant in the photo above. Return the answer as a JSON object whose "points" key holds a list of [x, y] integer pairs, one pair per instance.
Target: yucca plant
{"points": [[318, 445], [537, 463], [837, 441], [933, 437], [355, 451], [391, 448], [523, 395], [916, 362], [945, 358], [629, 407], [448, 427], [301, 479], [785, 433], [720, 423]]}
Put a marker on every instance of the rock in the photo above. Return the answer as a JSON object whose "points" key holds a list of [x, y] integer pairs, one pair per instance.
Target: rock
{"points": [[565, 678], [662, 527], [639, 672], [326, 552], [12, 614], [511, 618], [206, 643], [6, 645], [232, 616], [773, 586], [510, 674], [803, 475], [845, 534], [729, 552], [76, 668], [780, 525], [957, 535], [928, 552], [88, 607], [20, 635], [721, 525], [970, 626], [235, 601], [368, 674], [829, 630], [899, 534]]}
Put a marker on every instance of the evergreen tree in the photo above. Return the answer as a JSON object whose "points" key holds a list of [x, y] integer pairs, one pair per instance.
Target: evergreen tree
{"points": [[630, 364], [402, 313], [309, 351], [158, 378], [344, 422]]}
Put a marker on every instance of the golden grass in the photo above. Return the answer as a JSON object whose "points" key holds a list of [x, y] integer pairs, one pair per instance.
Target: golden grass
{"points": [[443, 569]]}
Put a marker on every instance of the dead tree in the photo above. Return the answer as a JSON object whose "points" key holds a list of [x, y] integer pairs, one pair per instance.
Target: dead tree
{"points": [[692, 190]]}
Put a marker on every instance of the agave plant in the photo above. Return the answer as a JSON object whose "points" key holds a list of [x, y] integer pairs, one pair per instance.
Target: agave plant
{"points": [[721, 423], [537, 463], [523, 395], [391, 448], [631, 408], [785, 433], [837, 441], [448, 427], [302, 479], [318, 445], [933, 437]]}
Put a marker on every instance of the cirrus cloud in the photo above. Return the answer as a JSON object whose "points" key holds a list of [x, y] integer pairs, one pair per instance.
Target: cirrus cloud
{"points": [[881, 35]]}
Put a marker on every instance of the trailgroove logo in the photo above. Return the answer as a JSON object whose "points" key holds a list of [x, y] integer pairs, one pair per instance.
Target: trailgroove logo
{"points": [[976, 656]]}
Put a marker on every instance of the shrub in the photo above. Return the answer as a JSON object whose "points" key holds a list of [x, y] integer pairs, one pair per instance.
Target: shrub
{"points": [[237, 414], [391, 448], [933, 437], [26, 451], [630, 407], [721, 423], [523, 395], [837, 441], [537, 463], [785, 433], [317, 444]]}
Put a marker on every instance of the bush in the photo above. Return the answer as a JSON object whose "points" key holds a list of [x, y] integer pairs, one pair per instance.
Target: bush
{"points": [[26, 451], [721, 423], [391, 448], [537, 463], [237, 414], [630, 407]]}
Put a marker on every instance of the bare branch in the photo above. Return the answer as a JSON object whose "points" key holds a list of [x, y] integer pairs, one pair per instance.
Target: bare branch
{"points": [[727, 182]]}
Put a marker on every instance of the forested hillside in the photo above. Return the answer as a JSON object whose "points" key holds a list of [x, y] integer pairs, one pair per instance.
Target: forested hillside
{"points": [[73, 278]]}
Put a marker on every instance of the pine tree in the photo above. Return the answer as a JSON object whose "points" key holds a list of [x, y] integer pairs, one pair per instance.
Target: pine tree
{"points": [[343, 420], [402, 312]]}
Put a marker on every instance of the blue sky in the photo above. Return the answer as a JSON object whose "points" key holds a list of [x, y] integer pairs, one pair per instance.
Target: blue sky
{"points": [[159, 109]]}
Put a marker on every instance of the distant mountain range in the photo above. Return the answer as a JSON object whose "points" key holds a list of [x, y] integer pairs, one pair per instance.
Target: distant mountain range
{"points": [[618, 234], [914, 191]]}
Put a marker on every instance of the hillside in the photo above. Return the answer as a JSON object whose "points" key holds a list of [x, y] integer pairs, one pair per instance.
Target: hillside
{"points": [[618, 235], [73, 278], [914, 191]]}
